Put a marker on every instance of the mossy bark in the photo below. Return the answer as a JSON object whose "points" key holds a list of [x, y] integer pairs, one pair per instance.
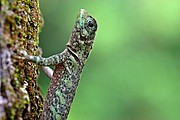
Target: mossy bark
{"points": [[20, 24]]}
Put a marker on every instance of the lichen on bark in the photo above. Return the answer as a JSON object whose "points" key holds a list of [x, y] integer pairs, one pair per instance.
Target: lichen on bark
{"points": [[20, 95]]}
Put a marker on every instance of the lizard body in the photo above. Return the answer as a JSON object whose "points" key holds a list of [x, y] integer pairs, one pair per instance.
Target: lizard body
{"points": [[68, 67]]}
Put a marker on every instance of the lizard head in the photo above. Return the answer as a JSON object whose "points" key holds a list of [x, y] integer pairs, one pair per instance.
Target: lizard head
{"points": [[82, 38], [86, 26]]}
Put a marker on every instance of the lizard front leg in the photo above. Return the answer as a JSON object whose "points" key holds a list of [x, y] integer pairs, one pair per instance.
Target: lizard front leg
{"points": [[47, 70], [45, 62], [50, 61]]}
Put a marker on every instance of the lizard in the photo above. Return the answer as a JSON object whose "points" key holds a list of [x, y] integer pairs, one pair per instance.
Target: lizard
{"points": [[68, 67]]}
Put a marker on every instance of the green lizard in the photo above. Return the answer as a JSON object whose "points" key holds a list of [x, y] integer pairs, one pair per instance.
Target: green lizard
{"points": [[68, 67]]}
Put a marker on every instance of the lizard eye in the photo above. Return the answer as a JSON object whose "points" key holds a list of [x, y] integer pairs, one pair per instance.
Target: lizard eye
{"points": [[90, 24]]}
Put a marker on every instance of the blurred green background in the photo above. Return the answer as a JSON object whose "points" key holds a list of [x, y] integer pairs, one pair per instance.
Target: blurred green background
{"points": [[133, 72]]}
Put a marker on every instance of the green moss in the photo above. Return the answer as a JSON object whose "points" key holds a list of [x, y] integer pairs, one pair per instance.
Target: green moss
{"points": [[22, 23]]}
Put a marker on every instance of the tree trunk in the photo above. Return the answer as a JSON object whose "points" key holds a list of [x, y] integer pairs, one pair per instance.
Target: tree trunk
{"points": [[20, 95]]}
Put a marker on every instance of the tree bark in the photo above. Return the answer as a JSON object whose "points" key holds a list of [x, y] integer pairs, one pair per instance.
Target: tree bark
{"points": [[20, 95]]}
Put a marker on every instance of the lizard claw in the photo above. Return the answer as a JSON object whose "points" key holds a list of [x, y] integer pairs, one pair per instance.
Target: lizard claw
{"points": [[23, 52], [20, 55]]}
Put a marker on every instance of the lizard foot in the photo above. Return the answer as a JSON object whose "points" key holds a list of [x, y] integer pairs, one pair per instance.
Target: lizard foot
{"points": [[20, 55]]}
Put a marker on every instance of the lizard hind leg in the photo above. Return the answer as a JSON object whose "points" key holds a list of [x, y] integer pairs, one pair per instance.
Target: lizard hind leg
{"points": [[48, 71]]}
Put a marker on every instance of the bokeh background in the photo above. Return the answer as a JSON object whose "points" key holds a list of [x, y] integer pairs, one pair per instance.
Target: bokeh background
{"points": [[133, 72]]}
